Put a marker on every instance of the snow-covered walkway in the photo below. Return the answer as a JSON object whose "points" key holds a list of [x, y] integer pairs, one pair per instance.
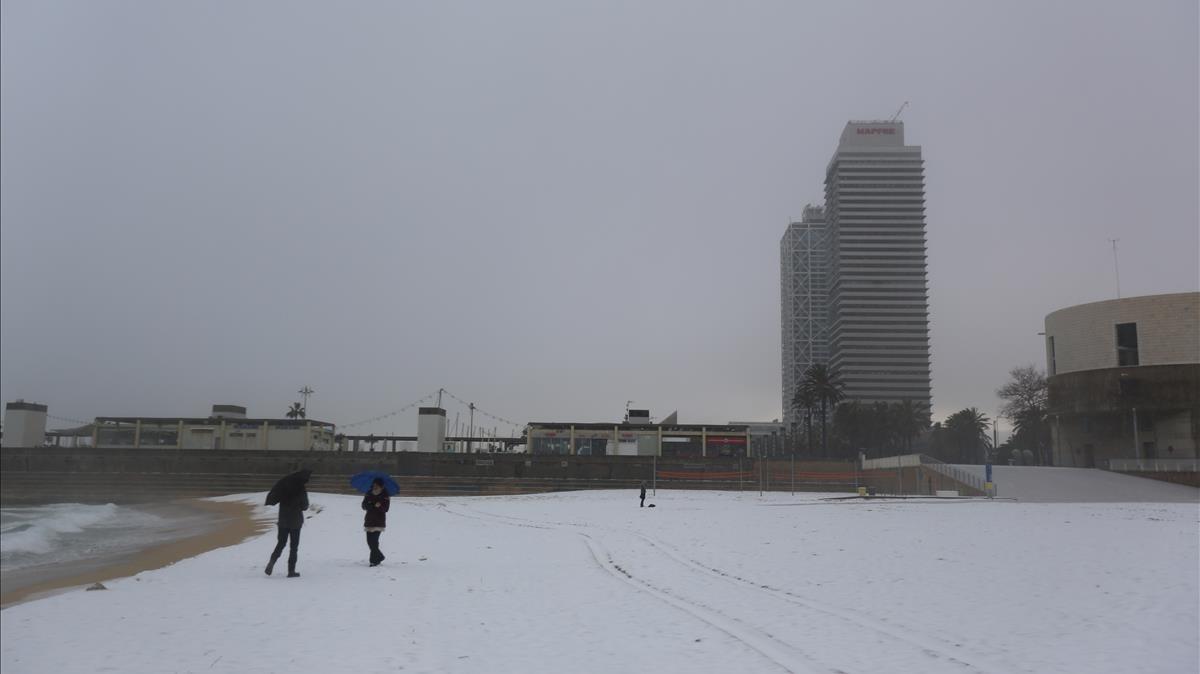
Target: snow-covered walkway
{"points": [[705, 582], [1048, 484]]}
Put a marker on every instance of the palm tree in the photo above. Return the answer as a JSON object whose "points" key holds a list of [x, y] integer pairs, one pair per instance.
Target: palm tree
{"points": [[911, 418], [849, 427], [881, 426], [827, 390], [295, 411], [804, 400], [969, 430], [939, 442], [1031, 428]]}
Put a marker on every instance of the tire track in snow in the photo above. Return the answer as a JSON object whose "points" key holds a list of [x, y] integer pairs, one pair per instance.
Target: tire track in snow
{"points": [[778, 652], [931, 647], [489, 518]]}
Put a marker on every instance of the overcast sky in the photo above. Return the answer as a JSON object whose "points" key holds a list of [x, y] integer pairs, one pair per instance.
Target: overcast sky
{"points": [[550, 208]]}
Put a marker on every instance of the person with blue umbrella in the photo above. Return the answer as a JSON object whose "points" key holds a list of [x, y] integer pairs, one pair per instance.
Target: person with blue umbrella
{"points": [[378, 488]]}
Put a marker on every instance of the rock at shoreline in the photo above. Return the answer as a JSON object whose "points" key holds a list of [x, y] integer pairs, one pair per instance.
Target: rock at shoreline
{"points": [[96, 586]]}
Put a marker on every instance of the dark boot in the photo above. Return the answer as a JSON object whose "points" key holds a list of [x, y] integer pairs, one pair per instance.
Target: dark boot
{"points": [[271, 565], [292, 571]]}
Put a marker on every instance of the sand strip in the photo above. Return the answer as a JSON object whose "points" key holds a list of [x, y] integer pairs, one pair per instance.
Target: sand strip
{"points": [[235, 523]]}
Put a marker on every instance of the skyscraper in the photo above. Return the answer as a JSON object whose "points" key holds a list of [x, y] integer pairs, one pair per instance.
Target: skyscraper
{"points": [[852, 275], [804, 295], [879, 313]]}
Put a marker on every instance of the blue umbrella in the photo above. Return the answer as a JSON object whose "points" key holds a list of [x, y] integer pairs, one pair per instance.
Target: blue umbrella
{"points": [[363, 480]]}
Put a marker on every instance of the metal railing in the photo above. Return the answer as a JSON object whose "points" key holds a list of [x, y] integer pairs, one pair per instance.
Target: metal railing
{"points": [[953, 472], [960, 475], [1155, 465], [901, 461]]}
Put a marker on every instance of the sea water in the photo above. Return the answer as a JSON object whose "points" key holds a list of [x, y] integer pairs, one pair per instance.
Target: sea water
{"points": [[41, 542]]}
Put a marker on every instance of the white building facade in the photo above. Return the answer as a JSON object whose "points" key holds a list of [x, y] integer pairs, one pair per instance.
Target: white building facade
{"points": [[24, 424], [226, 428], [1129, 332], [879, 313]]}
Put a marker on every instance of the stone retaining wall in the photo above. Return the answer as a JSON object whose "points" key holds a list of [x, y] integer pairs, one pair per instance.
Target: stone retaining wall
{"points": [[52, 474]]}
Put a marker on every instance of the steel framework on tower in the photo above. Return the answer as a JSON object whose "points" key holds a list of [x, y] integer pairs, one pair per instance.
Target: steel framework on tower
{"points": [[804, 298]]}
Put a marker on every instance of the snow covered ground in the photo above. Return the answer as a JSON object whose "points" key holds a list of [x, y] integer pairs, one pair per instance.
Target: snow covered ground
{"points": [[705, 582]]}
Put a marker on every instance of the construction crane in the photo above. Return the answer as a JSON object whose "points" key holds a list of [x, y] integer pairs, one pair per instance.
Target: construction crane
{"points": [[897, 115]]}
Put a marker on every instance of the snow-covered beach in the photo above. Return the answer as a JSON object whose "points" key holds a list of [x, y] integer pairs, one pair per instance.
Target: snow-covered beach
{"points": [[705, 581]]}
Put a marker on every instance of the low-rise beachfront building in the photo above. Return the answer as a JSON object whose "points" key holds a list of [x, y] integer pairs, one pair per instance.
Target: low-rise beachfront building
{"points": [[227, 427], [637, 439], [767, 438]]}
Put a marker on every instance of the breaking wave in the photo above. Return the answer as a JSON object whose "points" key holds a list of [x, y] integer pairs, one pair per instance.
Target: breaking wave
{"points": [[63, 531]]}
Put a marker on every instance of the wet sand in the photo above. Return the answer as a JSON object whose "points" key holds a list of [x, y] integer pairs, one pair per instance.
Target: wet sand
{"points": [[234, 522]]}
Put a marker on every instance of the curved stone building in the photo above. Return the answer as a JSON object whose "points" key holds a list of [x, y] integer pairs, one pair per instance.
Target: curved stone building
{"points": [[1124, 380]]}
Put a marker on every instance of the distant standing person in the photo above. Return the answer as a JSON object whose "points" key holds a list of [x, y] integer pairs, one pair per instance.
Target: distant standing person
{"points": [[376, 502], [291, 495], [643, 495]]}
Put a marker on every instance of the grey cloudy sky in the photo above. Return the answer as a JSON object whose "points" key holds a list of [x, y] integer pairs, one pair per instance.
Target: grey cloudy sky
{"points": [[552, 207]]}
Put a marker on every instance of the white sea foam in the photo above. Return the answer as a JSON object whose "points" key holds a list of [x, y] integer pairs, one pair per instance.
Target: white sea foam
{"points": [[65, 531]]}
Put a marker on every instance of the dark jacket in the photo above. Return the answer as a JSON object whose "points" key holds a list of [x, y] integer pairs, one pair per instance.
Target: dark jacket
{"points": [[376, 516], [291, 510], [643, 494]]}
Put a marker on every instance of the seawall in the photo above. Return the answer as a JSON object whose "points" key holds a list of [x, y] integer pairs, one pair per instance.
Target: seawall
{"points": [[45, 474]]}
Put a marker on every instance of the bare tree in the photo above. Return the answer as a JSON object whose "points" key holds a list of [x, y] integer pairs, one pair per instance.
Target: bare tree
{"points": [[1025, 405], [1024, 392]]}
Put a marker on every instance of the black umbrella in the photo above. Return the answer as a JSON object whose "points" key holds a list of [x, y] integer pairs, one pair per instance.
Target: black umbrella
{"points": [[288, 486]]}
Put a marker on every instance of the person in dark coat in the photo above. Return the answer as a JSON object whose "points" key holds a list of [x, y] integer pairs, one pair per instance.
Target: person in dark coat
{"points": [[643, 497], [292, 497], [376, 502]]}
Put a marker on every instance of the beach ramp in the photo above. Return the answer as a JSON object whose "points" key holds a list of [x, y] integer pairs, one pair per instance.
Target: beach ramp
{"points": [[1081, 485]]}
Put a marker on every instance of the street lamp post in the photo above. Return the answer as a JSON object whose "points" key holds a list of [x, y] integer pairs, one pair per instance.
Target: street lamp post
{"points": [[1137, 445], [471, 428], [793, 471], [761, 474], [305, 393]]}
